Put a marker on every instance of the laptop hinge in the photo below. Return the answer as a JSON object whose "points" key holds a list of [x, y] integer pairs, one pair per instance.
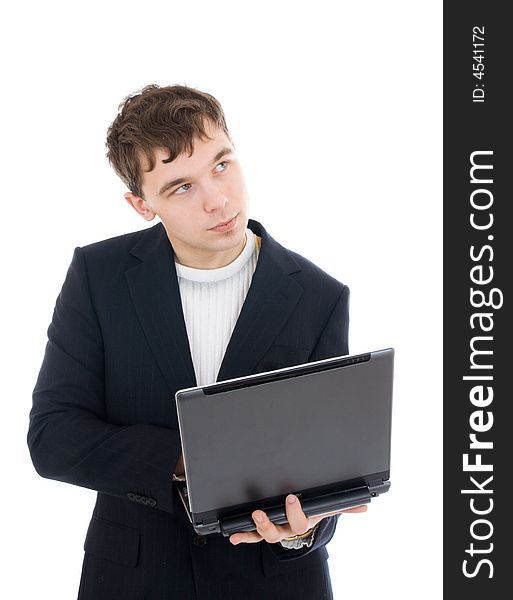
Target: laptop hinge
{"points": [[316, 505], [206, 526], [378, 486]]}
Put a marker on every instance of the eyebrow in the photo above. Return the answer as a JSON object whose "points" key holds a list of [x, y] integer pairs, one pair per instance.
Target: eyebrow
{"points": [[171, 184]]}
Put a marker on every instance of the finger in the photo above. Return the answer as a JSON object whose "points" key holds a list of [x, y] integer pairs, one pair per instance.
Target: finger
{"points": [[249, 537], [357, 509], [298, 521], [266, 528]]}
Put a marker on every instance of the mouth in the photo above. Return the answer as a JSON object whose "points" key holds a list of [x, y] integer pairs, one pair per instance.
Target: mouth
{"points": [[224, 224]]}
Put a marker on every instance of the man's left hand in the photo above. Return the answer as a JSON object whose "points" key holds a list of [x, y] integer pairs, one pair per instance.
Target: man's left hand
{"points": [[298, 523]]}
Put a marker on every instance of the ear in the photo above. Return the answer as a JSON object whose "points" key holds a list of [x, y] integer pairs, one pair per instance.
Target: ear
{"points": [[140, 206]]}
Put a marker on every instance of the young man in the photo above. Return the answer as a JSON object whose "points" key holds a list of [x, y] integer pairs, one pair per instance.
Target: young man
{"points": [[205, 295]]}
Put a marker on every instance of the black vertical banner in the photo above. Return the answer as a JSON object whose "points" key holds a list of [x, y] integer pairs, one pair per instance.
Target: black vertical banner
{"points": [[478, 257]]}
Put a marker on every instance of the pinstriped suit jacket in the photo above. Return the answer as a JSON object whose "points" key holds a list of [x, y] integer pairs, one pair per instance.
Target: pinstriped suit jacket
{"points": [[104, 417]]}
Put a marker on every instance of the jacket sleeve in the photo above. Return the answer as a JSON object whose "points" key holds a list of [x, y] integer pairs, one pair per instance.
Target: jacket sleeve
{"points": [[333, 341], [69, 437]]}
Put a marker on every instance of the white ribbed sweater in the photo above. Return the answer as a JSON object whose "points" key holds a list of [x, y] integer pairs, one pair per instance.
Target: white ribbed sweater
{"points": [[212, 300]]}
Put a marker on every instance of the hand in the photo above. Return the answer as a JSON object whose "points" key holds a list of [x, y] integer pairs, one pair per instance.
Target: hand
{"points": [[298, 523]]}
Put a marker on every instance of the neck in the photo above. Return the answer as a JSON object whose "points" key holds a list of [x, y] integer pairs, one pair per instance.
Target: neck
{"points": [[215, 260]]}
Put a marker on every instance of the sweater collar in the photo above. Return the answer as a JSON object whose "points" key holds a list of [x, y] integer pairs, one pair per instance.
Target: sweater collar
{"points": [[229, 270]]}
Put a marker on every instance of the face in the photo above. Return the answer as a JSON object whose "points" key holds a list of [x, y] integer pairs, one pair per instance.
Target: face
{"points": [[194, 194]]}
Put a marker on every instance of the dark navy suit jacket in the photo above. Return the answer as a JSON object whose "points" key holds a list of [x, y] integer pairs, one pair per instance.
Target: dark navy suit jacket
{"points": [[104, 416]]}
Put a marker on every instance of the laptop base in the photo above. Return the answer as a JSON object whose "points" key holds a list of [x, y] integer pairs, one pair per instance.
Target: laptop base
{"points": [[313, 504]]}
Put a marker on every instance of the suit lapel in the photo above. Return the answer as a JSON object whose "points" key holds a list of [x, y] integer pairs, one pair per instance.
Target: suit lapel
{"points": [[154, 290], [155, 293], [271, 297]]}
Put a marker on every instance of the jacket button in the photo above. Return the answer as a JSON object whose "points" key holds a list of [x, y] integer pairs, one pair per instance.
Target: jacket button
{"points": [[200, 540]]}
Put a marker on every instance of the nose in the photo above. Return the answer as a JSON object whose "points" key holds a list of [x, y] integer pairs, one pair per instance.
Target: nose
{"points": [[214, 198]]}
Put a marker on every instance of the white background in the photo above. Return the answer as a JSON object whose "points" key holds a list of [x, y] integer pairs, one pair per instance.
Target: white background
{"points": [[335, 110]]}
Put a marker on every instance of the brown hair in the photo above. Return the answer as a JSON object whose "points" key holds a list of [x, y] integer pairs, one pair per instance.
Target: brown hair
{"points": [[158, 117]]}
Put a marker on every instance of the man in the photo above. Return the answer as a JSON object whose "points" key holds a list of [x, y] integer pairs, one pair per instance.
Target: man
{"points": [[204, 295]]}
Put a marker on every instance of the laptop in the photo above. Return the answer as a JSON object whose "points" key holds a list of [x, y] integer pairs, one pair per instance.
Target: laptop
{"points": [[320, 430]]}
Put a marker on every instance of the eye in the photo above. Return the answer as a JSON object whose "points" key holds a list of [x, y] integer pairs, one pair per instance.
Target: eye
{"points": [[182, 188], [225, 163]]}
